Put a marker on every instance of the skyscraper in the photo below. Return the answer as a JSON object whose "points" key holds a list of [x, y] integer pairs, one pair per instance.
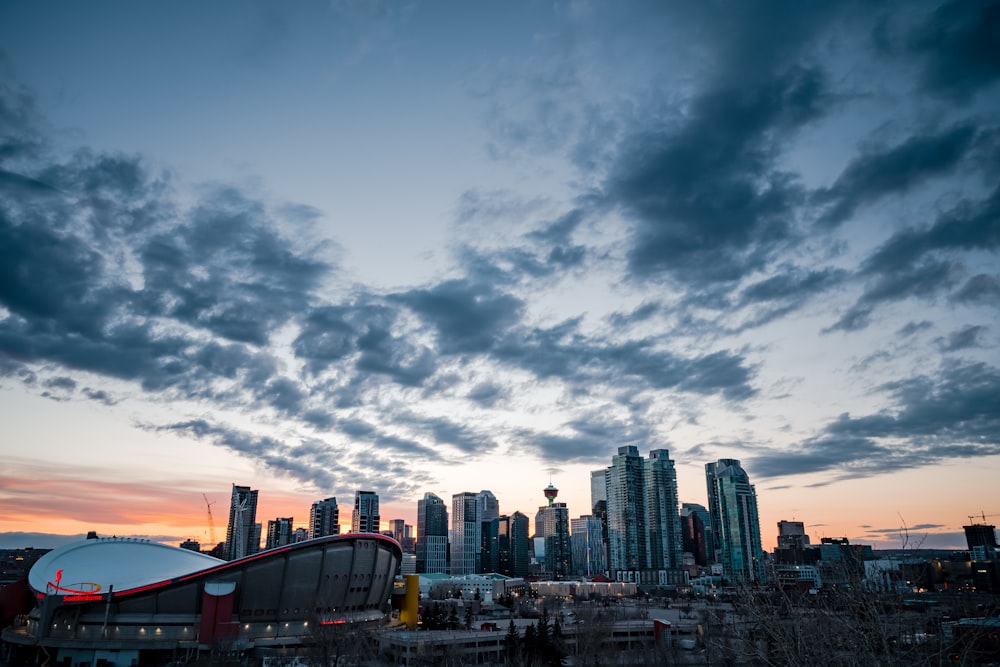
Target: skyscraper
{"points": [[488, 505], [552, 524], [792, 535], [588, 547], [663, 522], [695, 530], [365, 517], [982, 541], [324, 518], [466, 534], [644, 531], [279, 532], [598, 486], [626, 511], [732, 503], [599, 508], [519, 545], [243, 528], [432, 535]]}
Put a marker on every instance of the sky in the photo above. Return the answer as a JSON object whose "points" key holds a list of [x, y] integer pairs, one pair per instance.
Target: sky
{"points": [[413, 247]]}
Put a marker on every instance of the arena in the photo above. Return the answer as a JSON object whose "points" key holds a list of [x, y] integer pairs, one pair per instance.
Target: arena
{"points": [[131, 602]]}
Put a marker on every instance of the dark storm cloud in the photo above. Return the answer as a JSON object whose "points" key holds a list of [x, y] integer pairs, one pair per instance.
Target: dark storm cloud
{"points": [[561, 352], [61, 382], [396, 357], [953, 415], [362, 334], [444, 431], [99, 395], [963, 338], [228, 271], [894, 170], [20, 135], [781, 294], [643, 313], [981, 288], [467, 317], [584, 439], [968, 226], [364, 432], [924, 261], [488, 394], [915, 327], [958, 47], [102, 271], [327, 335], [922, 280], [709, 203], [313, 462], [275, 454]]}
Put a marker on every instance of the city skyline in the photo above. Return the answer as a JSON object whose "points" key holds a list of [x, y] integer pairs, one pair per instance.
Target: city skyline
{"points": [[444, 247]]}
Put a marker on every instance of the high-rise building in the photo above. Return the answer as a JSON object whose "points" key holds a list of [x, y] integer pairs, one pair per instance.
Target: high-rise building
{"points": [[488, 505], [599, 508], [466, 534], [365, 517], [663, 523], [489, 550], [982, 541], [792, 535], [402, 533], [324, 518], [432, 535], [552, 525], [279, 532], [519, 545], [626, 511], [588, 548], [644, 531], [496, 546], [598, 486], [397, 527], [732, 503], [243, 531], [694, 532]]}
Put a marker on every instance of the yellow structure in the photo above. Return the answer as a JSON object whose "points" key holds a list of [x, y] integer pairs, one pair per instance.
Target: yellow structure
{"points": [[411, 603]]}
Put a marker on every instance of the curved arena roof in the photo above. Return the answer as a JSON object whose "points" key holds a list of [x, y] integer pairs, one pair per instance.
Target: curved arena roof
{"points": [[119, 564], [125, 594]]}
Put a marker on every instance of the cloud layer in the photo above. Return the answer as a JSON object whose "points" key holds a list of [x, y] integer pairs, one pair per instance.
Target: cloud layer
{"points": [[823, 179]]}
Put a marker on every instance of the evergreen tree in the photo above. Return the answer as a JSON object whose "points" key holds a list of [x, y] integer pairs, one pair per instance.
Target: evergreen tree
{"points": [[511, 642], [529, 647]]}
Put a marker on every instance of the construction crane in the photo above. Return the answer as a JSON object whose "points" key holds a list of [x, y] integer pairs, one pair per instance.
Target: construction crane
{"points": [[211, 521], [973, 517]]}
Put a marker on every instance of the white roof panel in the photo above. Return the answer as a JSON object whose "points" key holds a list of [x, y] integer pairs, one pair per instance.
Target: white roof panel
{"points": [[94, 566]]}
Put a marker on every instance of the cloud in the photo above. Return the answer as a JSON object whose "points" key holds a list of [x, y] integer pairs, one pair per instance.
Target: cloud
{"points": [[583, 440], [956, 46], [488, 394], [319, 464], [981, 288], [924, 261], [893, 170], [708, 201], [467, 317], [953, 415], [963, 339], [558, 352]]}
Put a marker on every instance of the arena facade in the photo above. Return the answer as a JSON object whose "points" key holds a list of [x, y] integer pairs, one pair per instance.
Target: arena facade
{"points": [[129, 602]]}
